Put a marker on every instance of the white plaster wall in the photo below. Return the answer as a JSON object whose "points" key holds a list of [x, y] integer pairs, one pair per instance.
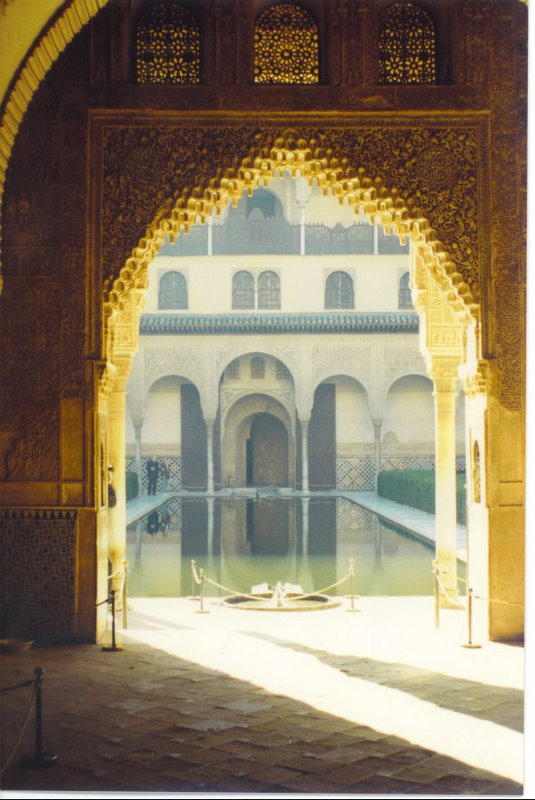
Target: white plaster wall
{"points": [[302, 280], [409, 411], [353, 421], [162, 416]]}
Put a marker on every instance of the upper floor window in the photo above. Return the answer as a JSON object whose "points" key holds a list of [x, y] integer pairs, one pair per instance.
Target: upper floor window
{"points": [[339, 291], [405, 298], [168, 46], [269, 290], [258, 367], [243, 290], [173, 291], [406, 45], [232, 372], [286, 46]]}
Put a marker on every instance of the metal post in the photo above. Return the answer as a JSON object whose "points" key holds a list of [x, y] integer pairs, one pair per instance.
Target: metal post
{"points": [[39, 760], [469, 643], [193, 596], [437, 595], [114, 647], [351, 591], [202, 609], [125, 596]]}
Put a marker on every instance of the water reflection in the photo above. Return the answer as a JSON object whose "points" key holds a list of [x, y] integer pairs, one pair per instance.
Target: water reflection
{"points": [[240, 542]]}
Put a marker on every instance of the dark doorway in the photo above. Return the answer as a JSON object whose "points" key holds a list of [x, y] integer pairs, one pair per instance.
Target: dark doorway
{"points": [[267, 452]]}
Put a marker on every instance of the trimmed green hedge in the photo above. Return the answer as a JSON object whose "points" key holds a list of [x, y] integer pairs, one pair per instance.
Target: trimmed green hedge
{"points": [[416, 488], [132, 485]]}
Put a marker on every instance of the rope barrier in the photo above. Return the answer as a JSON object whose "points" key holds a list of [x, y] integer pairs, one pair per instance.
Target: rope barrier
{"points": [[448, 597], [22, 730], [322, 591], [230, 591], [501, 602], [16, 686]]}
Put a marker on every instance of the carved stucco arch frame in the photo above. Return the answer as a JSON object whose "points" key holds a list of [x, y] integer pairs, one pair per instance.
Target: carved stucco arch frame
{"points": [[294, 155]]}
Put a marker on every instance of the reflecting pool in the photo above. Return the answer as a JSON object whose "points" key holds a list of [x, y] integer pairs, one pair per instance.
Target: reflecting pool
{"points": [[241, 542]]}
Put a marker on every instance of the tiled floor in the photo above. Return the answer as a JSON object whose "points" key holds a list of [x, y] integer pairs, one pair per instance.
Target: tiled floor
{"points": [[374, 702]]}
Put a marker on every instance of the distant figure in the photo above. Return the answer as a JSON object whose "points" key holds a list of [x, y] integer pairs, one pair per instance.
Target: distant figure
{"points": [[153, 523], [112, 495], [153, 470], [164, 475], [165, 519]]}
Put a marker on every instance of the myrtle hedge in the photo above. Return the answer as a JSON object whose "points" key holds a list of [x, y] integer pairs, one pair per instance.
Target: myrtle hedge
{"points": [[132, 485], [416, 488]]}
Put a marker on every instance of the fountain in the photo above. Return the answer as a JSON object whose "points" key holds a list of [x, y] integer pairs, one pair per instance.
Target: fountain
{"points": [[281, 597]]}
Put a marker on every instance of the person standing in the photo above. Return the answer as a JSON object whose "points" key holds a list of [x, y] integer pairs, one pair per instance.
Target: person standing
{"points": [[164, 475], [152, 475]]}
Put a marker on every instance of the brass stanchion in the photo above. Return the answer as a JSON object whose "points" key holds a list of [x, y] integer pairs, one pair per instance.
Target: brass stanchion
{"points": [[351, 594], [202, 609], [39, 760], [437, 595], [114, 647], [125, 595], [193, 595], [469, 643]]}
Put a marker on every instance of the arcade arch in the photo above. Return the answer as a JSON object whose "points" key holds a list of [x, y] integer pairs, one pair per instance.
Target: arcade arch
{"points": [[444, 301]]}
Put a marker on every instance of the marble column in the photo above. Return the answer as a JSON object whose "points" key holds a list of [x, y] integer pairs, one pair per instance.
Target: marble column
{"points": [[445, 479], [377, 425], [117, 459], [304, 455], [210, 455], [137, 445]]}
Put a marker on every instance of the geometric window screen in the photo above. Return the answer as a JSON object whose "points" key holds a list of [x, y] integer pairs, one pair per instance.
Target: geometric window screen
{"points": [[173, 291], [339, 291], [406, 45], [268, 290], [405, 297], [168, 46], [286, 46]]}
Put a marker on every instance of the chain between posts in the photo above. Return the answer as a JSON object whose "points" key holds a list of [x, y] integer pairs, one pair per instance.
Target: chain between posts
{"points": [[38, 760]]}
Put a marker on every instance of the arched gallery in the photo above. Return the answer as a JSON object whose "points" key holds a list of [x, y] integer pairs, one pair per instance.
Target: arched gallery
{"points": [[279, 246]]}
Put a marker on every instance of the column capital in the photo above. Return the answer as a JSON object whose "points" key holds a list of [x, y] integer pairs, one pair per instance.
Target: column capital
{"points": [[445, 374]]}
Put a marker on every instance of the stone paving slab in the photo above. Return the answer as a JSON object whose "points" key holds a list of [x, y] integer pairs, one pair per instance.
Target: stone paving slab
{"points": [[136, 721]]}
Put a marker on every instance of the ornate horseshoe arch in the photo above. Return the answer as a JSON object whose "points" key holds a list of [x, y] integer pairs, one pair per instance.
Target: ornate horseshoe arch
{"points": [[190, 167]]}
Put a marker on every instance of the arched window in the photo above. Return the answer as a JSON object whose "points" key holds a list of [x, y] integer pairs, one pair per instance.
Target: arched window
{"points": [[258, 367], [405, 298], [173, 291], [243, 290], [286, 46], [339, 291], [168, 46], [269, 295], [406, 45]]}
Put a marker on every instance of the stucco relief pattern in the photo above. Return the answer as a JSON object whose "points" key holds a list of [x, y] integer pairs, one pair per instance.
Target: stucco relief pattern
{"points": [[162, 361], [331, 361], [508, 244], [150, 168]]}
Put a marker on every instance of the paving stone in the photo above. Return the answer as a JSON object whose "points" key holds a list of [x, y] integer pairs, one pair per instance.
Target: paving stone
{"points": [[349, 773], [274, 775]]}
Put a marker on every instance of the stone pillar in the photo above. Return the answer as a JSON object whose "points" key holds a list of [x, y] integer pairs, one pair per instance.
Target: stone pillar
{"points": [[210, 455], [116, 459], [302, 194], [304, 454], [375, 239], [305, 502], [210, 525], [139, 466], [209, 236], [445, 379], [377, 425]]}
